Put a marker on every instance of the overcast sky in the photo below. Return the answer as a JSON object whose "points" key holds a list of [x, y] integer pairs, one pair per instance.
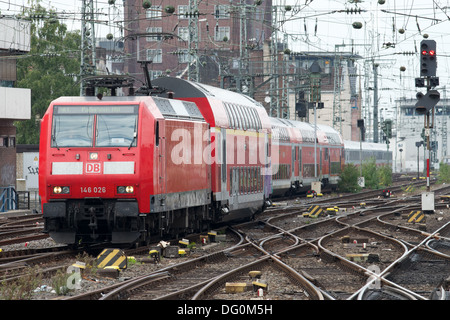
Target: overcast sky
{"points": [[320, 25], [329, 23]]}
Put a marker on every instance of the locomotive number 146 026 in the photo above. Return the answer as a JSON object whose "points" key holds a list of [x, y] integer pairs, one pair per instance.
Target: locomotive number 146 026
{"points": [[93, 189]]}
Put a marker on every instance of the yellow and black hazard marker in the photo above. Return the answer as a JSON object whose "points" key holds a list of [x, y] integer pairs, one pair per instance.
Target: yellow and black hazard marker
{"points": [[332, 210], [416, 216], [410, 188], [112, 258], [315, 211]]}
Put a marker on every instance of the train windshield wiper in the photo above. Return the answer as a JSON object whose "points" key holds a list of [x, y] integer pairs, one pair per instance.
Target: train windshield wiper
{"points": [[54, 142], [132, 141]]}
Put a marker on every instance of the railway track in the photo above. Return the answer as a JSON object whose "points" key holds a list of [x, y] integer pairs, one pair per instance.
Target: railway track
{"points": [[365, 253]]}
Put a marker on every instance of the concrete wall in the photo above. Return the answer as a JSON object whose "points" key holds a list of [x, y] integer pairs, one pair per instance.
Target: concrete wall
{"points": [[15, 103]]}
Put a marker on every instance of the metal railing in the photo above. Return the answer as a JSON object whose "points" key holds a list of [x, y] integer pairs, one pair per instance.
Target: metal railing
{"points": [[8, 199]]}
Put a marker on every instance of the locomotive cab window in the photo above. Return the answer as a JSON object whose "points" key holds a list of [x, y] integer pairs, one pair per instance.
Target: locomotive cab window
{"points": [[100, 126], [116, 130], [72, 131]]}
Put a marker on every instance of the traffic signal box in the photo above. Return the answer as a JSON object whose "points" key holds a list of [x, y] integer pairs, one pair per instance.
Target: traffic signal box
{"points": [[428, 61]]}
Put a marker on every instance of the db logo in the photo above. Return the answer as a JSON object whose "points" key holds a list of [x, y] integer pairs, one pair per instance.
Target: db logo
{"points": [[93, 167]]}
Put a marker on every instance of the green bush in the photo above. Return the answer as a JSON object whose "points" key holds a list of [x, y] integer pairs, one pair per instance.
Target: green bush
{"points": [[375, 177], [348, 181], [385, 175], [444, 173], [369, 172]]}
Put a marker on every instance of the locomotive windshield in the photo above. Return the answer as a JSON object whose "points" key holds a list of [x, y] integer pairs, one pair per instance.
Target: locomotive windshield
{"points": [[114, 126]]}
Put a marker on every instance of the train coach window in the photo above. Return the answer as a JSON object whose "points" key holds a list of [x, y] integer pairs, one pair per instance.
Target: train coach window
{"points": [[229, 115], [258, 120], [241, 180], [246, 118], [235, 115], [239, 117], [231, 180], [157, 134]]}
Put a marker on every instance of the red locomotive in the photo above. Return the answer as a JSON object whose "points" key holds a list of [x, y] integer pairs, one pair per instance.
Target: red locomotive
{"points": [[174, 160]]}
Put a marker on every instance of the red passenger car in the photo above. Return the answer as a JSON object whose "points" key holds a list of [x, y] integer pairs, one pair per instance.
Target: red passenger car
{"points": [[240, 144], [305, 155]]}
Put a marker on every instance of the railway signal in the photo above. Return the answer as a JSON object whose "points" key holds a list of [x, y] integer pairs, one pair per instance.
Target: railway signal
{"points": [[428, 61], [427, 102]]}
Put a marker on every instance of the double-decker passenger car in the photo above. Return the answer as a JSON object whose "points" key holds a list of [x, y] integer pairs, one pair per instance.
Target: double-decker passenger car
{"points": [[305, 154], [240, 143], [356, 152]]}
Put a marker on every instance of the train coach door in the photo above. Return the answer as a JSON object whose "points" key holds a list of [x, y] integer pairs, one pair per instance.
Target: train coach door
{"points": [[223, 147], [297, 161], [293, 162], [161, 155], [268, 166], [234, 188]]}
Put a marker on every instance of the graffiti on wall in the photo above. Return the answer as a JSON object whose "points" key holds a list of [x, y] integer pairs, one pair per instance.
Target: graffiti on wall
{"points": [[7, 175]]}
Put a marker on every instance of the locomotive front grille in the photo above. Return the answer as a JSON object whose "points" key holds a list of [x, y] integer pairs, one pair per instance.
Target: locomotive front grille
{"points": [[96, 208]]}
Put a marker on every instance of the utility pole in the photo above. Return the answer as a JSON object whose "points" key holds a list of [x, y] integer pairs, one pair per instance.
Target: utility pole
{"points": [[337, 88], [375, 102], [274, 82], [243, 57], [193, 74], [87, 65]]}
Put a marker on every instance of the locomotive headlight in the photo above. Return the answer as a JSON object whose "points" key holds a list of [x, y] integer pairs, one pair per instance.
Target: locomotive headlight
{"points": [[93, 156], [125, 189], [61, 190]]}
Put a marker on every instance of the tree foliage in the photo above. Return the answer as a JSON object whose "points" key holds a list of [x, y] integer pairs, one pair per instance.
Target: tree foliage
{"points": [[48, 69]]}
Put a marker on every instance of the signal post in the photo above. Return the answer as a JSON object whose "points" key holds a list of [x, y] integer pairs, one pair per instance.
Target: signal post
{"points": [[425, 105]]}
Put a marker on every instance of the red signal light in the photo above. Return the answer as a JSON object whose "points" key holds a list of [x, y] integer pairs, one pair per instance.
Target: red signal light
{"points": [[424, 52], [431, 53]]}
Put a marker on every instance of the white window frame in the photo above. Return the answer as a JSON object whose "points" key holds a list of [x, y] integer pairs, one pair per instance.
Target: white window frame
{"points": [[155, 37], [154, 55], [183, 33], [184, 56], [182, 10], [221, 32], [154, 13], [222, 11], [155, 74]]}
